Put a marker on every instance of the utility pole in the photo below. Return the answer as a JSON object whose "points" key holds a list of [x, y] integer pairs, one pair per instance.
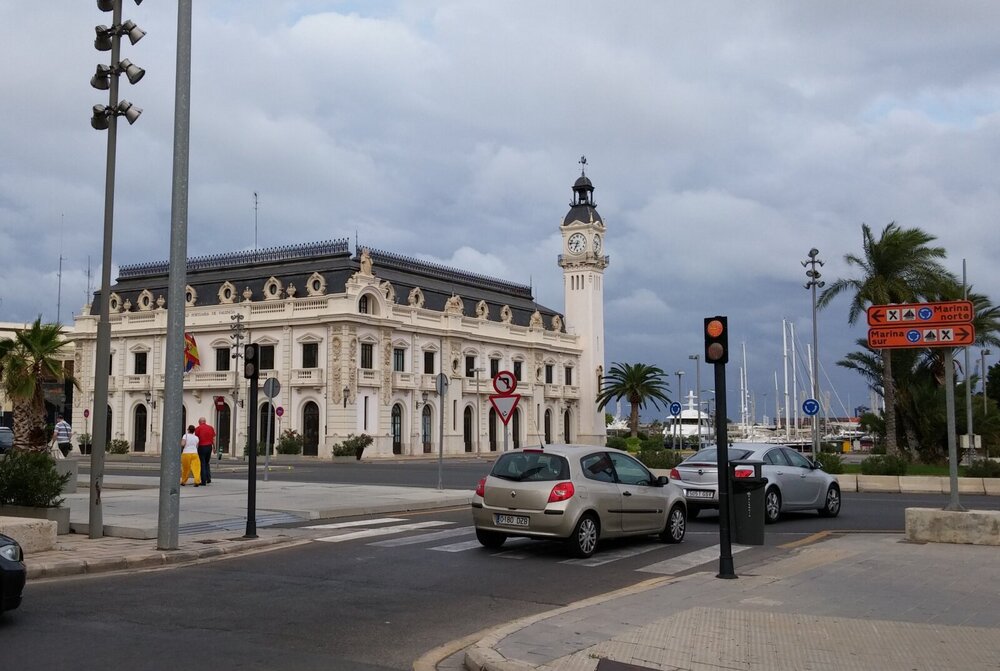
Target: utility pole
{"points": [[814, 282]]}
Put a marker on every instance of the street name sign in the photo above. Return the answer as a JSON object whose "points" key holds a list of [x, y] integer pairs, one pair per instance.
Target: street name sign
{"points": [[921, 314], [900, 337]]}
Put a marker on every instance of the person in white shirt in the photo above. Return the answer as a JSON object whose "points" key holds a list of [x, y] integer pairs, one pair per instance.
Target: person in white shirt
{"points": [[63, 435], [190, 463]]}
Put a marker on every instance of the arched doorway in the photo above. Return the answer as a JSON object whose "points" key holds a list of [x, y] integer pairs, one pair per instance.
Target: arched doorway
{"points": [[310, 429], [108, 436], [184, 420], [425, 428], [493, 430], [467, 433], [548, 427], [396, 425], [265, 425], [224, 428], [566, 431], [516, 429], [140, 425]]}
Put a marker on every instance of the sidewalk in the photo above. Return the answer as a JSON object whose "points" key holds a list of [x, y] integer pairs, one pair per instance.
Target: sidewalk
{"points": [[212, 520], [859, 601]]}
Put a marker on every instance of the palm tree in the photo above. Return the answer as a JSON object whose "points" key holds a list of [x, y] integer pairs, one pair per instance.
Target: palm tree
{"points": [[27, 360], [638, 383], [899, 267]]}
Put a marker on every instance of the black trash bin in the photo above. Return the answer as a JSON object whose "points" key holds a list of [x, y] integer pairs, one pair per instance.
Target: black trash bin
{"points": [[748, 501]]}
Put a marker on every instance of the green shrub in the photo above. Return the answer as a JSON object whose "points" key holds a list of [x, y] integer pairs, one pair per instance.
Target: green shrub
{"points": [[30, 479], [654, 443], [660, 458], [118, 446], [352, 446], [983, 468], [616, 442], [290, 442], [260, 450], [831, 463], [883, 464], [633, 444], [878, 449]]}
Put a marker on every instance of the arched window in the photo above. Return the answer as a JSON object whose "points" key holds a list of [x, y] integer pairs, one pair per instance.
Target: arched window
{"points": [[363, 305], [140, 423], [310, 429], [493, 430], [467, 431], [266, 425], [425, 428], [548, 427], [224, 428], [396, 426], [566, 432]]}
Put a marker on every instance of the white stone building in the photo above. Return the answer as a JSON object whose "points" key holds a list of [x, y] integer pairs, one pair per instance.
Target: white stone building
{"points": [[356, 342]]}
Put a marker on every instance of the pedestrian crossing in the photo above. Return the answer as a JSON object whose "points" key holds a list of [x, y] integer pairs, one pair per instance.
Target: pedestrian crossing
{"points": [[449, 540]]}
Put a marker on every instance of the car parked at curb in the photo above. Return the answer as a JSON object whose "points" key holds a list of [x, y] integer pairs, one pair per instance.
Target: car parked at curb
{"points": [[577, 494], [12, 573], [793, 481]]}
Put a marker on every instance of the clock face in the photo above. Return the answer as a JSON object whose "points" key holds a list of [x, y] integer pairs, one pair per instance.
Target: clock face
{"points": [[597, 243], [576, 243]]}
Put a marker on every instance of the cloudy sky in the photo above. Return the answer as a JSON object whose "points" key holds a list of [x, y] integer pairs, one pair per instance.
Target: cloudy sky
{"points": [[724, 140]]}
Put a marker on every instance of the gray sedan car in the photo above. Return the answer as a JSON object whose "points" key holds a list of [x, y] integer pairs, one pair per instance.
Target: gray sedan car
{"points": [[577, 494], [793, 481]]}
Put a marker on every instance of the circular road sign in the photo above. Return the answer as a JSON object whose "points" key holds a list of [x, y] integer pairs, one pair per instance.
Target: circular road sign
{"points": [[505, 383], [810, 406], [925, 313], [913, 335], [675, 408], [279, 411], [271, 387]]}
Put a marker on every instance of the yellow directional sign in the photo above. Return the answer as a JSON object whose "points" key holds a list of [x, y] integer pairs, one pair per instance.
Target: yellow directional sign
{"points": [[921, 314], [899, 337]]}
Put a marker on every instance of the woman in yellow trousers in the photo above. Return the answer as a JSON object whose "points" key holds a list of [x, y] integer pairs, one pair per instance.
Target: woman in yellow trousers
{"points": [[190, 463]]}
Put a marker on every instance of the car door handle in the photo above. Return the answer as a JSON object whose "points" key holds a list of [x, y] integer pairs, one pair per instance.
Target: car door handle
{"points": [[626, 493]]}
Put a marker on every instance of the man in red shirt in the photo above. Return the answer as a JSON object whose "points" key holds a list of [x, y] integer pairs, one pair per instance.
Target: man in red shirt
{"points": [[206, 441]]}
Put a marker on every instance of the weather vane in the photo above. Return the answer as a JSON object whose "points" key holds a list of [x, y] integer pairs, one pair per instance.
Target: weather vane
{"points": [[583, 165]]}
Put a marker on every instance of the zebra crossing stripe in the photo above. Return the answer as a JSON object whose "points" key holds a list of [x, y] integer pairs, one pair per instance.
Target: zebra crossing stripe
{"points": [[357, 523], [382, 531], [457, 547], [602, 558], [424, 538], [688, 560]]}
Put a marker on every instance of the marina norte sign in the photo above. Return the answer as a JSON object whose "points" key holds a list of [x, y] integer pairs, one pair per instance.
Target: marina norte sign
{"points": [[904, 325]]}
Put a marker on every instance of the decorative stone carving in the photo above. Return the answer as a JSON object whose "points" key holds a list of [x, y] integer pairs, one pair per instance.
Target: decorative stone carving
{"points": [[366, 262], [160, 302], [127, 306], [416, 297], [227, 293], [114, 302], [557, 324], [482, 310], [536, 320], [145, 301], [273, 289], [247, 295], [291, 290], [455, 305], [316, 285], [190, 296], [506, 314], [388, 291]]}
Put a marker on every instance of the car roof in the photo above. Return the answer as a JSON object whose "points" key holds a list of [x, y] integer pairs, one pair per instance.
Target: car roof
{"points": [[565, 449]]}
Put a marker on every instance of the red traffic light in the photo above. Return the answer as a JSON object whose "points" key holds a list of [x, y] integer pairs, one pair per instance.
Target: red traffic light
{"points": [[716, 340]]}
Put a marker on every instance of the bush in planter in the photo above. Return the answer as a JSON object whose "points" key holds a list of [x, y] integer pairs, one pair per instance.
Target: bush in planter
{"points": [[118, 446], [352, 446], [884, 464], [831, 463], [30, 479], [660, 458], [289, 442], [983, 468], [616, 442], [86, 443]]}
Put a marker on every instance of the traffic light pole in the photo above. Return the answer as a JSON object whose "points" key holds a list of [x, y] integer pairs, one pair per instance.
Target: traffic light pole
{"points": [[726, 568], [251, 371]]}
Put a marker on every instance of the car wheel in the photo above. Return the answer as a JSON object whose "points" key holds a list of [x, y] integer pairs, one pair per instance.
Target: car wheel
{"points": [[832, 506], [583, 542], [676, 525], [693, 511], [490, 539], [772, 505]]}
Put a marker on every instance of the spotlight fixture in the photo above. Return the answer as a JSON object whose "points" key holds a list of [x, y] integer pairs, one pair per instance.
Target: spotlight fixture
{"points": [[103, 40], [132, 71], [102, 78], [99, 121], [106, 5], [129, 111], [134, 32]]}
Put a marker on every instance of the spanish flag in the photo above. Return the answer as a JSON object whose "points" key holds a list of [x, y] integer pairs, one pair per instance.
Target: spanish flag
{"points": [[190, 353]]}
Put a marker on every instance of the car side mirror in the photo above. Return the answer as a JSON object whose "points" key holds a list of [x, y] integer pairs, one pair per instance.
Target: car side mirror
{"points": [[662, 480], [816, 465]]}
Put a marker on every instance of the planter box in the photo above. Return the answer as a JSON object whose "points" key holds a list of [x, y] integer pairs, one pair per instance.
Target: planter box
{"points": [[58, 515], [72, 466]]}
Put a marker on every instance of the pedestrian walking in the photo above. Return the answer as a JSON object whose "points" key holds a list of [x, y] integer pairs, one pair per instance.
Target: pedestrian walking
{"points": [[206, 441], [62, 435], [190, 464]]}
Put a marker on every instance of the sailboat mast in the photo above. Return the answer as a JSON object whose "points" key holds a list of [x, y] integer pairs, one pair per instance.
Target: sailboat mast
{"points": [[784, 358]]}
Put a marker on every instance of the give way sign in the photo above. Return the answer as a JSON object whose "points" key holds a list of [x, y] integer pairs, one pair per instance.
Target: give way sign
{"points": [[504, 404]]}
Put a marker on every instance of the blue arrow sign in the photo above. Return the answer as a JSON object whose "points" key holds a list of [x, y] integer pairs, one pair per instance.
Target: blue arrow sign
{"points": [[675, 408], [810, 406]]}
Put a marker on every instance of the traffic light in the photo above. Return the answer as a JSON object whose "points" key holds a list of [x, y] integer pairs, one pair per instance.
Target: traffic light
{"points": [[716, 340], [251, 361]]}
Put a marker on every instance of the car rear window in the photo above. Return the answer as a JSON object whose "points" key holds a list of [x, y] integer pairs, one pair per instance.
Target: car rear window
{"points": [[711, 455], [531, 467]]}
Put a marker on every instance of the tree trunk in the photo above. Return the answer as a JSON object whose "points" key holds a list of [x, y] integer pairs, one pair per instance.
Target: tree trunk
{"points": [[633, 418], [29, 432], [889, 396]]}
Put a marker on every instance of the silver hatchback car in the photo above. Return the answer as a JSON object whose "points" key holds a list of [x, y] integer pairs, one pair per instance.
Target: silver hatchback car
{"points": [[793, 482], [578, 494]]}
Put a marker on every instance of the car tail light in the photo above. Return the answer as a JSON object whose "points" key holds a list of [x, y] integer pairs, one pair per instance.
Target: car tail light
{"points": [[561, 492], [674, 475], [481, 487], [743, 473]]}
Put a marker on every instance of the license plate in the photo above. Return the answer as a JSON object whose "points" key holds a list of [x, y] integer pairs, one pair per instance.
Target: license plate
{"points": [[510, 520], [699, 493]]}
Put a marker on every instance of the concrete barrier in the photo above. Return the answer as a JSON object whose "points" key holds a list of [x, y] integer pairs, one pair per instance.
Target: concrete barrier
{"points": [[932, 525], [931, 484], [878, 483], [32, 535], [992, 486], [970, 486], [848, 482]]}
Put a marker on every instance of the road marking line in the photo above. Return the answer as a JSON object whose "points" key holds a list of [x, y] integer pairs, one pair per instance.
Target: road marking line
{"points": [[424, 538], [457, 547], [357, 523], [689, 560], [813, 538], [383, 531], [607, 557]]}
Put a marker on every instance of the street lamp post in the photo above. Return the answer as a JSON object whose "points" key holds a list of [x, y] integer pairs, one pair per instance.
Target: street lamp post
{"points": [[697, 372], [106, 118], [814, 282], [677, 420]]}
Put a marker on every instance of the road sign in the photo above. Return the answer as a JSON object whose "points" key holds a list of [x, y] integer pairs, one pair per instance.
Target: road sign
{"points": [[441, 384], [921, 314], [220, 403], [899, 337], [810, 406], [279, 411], [86, 414], [271, 387], [504, 382], [504, 405], [675, 408]]}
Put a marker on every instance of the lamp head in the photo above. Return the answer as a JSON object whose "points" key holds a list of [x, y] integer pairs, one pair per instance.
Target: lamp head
{"points": [[103, 40], [133, 72], [106, 5], [813, 253], [129, 111], [102, 78], [134, 32], [99, 120]]}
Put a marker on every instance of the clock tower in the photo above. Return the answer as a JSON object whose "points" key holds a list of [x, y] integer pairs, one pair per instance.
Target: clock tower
{"points": [[583, 263]]}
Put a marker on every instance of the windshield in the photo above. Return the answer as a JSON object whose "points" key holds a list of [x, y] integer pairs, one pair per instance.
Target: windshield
{"points": [[711, 455], [531, 467]]}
